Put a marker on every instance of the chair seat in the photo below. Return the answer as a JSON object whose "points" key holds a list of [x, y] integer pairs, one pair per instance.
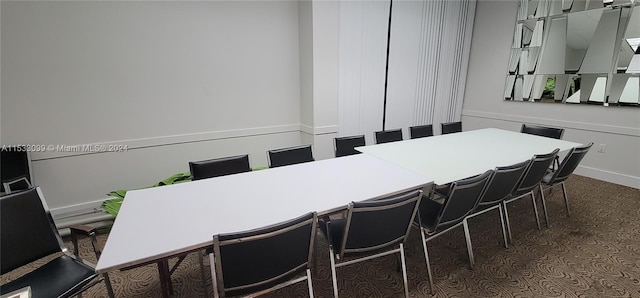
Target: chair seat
{"points": [[547, 177], [46, 281]]}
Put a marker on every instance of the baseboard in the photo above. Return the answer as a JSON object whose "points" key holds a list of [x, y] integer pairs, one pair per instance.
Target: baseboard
{"points": [[611, 177], [81, 209]]}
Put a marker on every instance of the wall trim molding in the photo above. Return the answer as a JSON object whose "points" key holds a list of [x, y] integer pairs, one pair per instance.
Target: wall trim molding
{"points": [[621, 130], [141, 143], [319, 130], [57, 151]]}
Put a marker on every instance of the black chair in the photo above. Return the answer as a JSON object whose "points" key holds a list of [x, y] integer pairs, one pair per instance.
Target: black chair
{"points": [[16, 163], [344, 146], [214, 168], [549, 132], [290, 156], [17, 184], [28, 233], [439, 215], [499, 188], [543, 131], [263, 260], [421, 131], [451, 127], [219, 167], [386, 136], [371, 229], [566, 168], [530, 180]]}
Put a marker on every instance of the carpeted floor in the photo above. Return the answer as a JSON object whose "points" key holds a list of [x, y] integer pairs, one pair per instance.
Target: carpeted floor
{"points": [[593, 253]]}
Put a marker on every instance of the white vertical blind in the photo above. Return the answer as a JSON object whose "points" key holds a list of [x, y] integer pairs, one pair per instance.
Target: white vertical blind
{"points": [[429, 52], [430, 43], [362, 59]]}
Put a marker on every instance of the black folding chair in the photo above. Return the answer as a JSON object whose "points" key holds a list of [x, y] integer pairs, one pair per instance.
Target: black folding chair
{"points": [[543, 131], [219, 167], [440, 215], [344, 146], [566, 168], [499, 188], [451, 127], [371, 229], [530, 180], [386, 136], [28, 233], [263, 260], [421, 131], [290, 156]]}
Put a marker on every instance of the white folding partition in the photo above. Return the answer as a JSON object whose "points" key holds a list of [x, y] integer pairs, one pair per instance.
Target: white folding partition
{"points": [[362, 58], [428, 54]]}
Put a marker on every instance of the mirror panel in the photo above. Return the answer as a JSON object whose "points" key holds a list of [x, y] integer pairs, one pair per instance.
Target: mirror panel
{"points": [[576, 52]]}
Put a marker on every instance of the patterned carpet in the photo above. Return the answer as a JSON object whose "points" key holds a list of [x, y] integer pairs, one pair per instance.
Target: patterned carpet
{"points": [[593, 253]]}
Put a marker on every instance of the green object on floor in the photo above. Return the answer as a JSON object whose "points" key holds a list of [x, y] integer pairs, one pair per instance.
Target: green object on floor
{"points": [[112, 206]]}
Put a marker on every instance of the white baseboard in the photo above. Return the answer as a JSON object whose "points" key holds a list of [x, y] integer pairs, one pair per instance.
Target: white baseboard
{"points": [[77, 209], [608, 176]]}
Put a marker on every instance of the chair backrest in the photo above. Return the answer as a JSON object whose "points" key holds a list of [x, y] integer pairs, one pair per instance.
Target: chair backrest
{"points": [[376, 225], [421, 131], [549, 132], [386, 136], [451, 127], [290, 156], [219, 167], [16, 163], [463, 197], [570, 163], [503, 182], [255, 260], [27, 230], [535, 172], [345, 145], [17, 184]]}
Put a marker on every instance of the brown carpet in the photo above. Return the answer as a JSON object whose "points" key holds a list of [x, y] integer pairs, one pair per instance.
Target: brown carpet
{"points": [[593, 253]]}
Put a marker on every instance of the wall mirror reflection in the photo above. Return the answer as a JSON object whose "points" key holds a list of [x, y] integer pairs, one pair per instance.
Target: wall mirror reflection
{"points": [[575, 52]]}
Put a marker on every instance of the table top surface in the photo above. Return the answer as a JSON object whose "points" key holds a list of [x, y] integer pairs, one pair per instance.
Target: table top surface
{"points": [[455, 156], [161, 222]]}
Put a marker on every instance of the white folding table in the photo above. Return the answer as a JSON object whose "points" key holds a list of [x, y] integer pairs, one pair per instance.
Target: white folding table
{"points": [[155, 224], [450, 157]]}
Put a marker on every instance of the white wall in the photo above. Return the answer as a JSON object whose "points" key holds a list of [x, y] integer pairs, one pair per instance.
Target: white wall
{"points": [[174, 81], [617, 127]]}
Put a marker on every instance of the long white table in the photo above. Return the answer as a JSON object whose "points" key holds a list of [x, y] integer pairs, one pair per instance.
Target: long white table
{"points": [[157, 223], [451, 157]]}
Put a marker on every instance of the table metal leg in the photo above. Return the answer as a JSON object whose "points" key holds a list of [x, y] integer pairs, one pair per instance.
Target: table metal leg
{"points": [[165, 278]]}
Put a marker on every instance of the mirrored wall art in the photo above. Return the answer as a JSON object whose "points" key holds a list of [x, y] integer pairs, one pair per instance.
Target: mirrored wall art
{"points": [[576, 52]]}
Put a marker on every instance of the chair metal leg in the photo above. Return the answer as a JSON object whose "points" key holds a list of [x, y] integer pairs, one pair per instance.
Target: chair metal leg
{"points": [[506, 219], [404, 271], [214, 281], [544, 206], [333, 273], [566, 199], [535, 209], [202, 275], [504, 232], [426, 256], [309, 283], [468, 238]]}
